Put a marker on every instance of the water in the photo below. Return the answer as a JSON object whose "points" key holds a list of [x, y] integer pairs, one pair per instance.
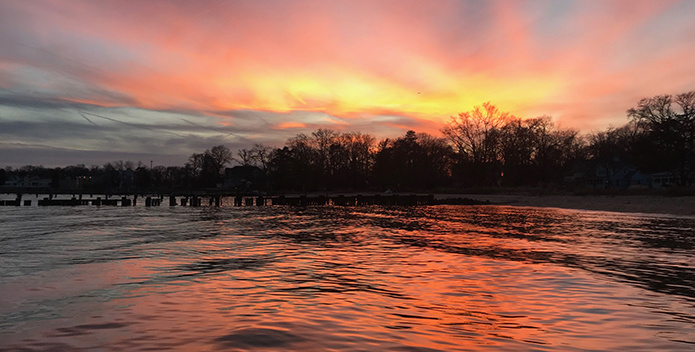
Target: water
{"points": [[441, 278]]}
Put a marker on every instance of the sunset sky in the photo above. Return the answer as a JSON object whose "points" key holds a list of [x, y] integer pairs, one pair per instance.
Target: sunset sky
{"points": [[96, 81]]}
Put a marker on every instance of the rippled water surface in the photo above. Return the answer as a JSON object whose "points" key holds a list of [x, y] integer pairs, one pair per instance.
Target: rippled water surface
{"points": [[441, 278]]}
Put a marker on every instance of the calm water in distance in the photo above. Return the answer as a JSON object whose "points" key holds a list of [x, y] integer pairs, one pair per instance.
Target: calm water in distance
{"points": [[439, 278]]}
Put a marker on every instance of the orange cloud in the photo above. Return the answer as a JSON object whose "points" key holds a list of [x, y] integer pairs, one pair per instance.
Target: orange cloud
{"points": [[290, 124]]}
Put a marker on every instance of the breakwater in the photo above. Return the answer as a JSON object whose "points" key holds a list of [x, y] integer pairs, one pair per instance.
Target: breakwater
{"points": [[240, 200]]}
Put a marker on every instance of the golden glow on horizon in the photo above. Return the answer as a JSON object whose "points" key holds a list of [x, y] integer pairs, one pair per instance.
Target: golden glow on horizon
{"points": [[347, 93]]}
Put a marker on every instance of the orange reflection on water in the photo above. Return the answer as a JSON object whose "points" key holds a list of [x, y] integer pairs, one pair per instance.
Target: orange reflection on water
{"points": [[357, 279]]}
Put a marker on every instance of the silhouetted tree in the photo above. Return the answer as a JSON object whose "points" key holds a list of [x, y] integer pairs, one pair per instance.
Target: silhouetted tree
{"points": [[219, 156], [205, 169], [553, 149], [414, 161], [669, 123], [475, 133], [261, 155], [244, 157], [476, 137], [142, 178]]}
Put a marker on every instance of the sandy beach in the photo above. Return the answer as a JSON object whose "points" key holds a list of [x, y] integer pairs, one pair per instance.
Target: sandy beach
{"points": [[626, 203]]}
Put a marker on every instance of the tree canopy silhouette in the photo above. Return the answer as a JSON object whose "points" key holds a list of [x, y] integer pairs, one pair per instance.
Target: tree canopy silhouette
{"points": [[669, 125]]}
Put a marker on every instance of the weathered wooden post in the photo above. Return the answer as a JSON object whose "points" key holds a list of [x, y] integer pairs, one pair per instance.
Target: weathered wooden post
{"points": [[395, 199], [340, 200], [218, 199], [18, 200]]}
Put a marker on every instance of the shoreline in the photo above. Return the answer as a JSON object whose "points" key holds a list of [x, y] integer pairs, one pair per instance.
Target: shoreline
{"points": [[616, 203], [648, 204]]}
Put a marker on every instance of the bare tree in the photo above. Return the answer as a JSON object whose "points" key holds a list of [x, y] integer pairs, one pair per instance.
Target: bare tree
{"points": [[670, 124], [475, 133], [261, 155], [221, 156], [244, 157]]}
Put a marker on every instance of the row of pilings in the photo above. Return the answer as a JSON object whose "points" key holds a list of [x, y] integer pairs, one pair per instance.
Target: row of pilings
{"points": [[237, 200]]}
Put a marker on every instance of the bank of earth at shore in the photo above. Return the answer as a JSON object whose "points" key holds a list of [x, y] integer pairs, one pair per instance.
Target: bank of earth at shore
{"points": [[626, 203]]}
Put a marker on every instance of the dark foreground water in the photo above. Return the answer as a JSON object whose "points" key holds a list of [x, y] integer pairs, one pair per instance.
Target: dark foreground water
{"points": [[440, 278]]}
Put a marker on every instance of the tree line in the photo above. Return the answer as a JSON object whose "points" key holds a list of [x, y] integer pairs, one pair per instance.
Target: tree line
{"points": [[483, 147]]}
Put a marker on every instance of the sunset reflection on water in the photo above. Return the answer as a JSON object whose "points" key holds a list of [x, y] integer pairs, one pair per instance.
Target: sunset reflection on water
{"points": [[355, 278]]}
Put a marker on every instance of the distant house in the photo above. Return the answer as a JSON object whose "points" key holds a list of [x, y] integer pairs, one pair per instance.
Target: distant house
{"points": [[83, 181], [588, 175], [28, 182], [14, 181], [630, 177], [243, 178], [662, 180], [37, 182], [599, 177]]}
